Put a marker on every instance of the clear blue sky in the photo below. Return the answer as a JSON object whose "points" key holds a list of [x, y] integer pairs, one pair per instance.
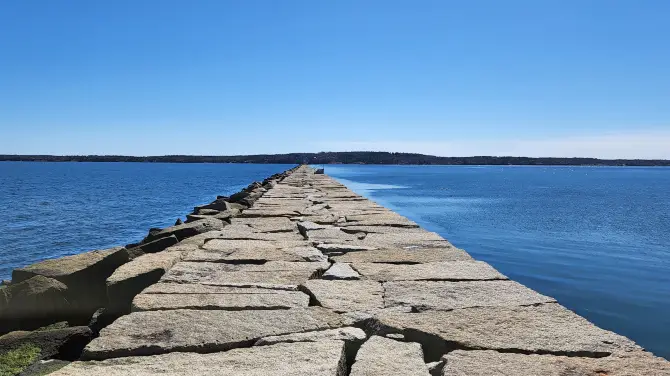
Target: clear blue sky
{"points": [[531, 77]]}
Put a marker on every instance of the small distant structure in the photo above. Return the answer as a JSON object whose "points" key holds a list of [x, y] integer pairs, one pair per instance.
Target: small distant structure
{"points": [[319, 171]]}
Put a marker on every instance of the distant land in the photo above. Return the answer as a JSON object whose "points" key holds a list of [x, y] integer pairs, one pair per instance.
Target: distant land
{"points": [[351, 157]]}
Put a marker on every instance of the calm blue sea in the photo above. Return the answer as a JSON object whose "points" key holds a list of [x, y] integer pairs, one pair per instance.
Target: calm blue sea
{"points": [[595, 238], [55, 209]]}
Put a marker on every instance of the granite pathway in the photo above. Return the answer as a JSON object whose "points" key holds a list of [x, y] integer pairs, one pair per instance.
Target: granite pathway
{"points": [[314, 279]]}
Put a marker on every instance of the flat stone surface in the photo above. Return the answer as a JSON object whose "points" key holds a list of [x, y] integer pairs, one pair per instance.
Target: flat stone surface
{"points": [[402, 239], [405, 256], [271, 225], [347, 334], [340, 271], [423, 295], [398, 221], [196, 288], [444, 271], [548, 328], [381, 356], [157, 332], [343, 296], [333, 235], [338, 248], [323, 358], [269, 273], [493, 363], [278, 299], [279, 212], [251, 254], [230, 245]]}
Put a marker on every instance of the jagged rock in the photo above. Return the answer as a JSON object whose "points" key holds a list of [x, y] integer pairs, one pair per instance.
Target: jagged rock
{"points": [[340, 271], [201, 211], [422, 295], [492, 363], [33, 303], [5, 282], [157, 245], [347, 334], [178, 222], [84, 275], [220, 204], [405, 256], [305, 226], [186, 230], [547, 328], [344, 296], [131, 278], [64, 343], [380, 356], [157, 332], [322, 358], [437, 271], [100, 319]]}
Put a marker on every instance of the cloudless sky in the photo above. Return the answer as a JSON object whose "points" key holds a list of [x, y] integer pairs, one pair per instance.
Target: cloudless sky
{"points": [[515, 77]]}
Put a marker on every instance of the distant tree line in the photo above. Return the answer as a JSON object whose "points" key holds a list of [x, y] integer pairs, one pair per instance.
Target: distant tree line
{"points": [[353, 157]]}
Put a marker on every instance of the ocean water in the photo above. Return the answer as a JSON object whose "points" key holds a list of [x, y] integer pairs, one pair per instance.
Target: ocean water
{"points": [[595, 238], [49, 210]]}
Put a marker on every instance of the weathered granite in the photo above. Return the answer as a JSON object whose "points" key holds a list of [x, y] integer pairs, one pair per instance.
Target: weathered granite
{"points": [[323, 358], [343, 296], [547, 328], [340, 271], [436, 271], [241, 300], [440, 295], [269, 273], [184, 330], [33, 303], [131, 278], [381, 356], [253, 254], [186, 230], [492, 363], [404, 256], [347, 334]]}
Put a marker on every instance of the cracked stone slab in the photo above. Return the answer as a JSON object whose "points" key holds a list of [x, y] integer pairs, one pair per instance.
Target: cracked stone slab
{"points": [[279, 224], [323, 358], [384, 221], [380, 356], [345, 296], [185, 330], [252, 255], [493, 363], [232, 245], [341, 271], [269, 273], [196, 288], [253, 213], [548, 328], [333, 235], [404, 256], [241, 300], [337, 248], [379, 229], [347, 334], [403, 239], [440, 295], [437, 271]]}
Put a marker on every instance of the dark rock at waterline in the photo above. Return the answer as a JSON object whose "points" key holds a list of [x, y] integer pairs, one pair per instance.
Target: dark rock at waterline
{"points": [[157, 245], [218, 204], [223, 216], [200, 211], [178, 222], [83, 274], [186, 230], [5, 282], [64, 343], [100, 319], [33, 303]]}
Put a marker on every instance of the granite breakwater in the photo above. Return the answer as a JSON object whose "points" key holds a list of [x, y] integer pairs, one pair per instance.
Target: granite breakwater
{"points": [[295, 275]]}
